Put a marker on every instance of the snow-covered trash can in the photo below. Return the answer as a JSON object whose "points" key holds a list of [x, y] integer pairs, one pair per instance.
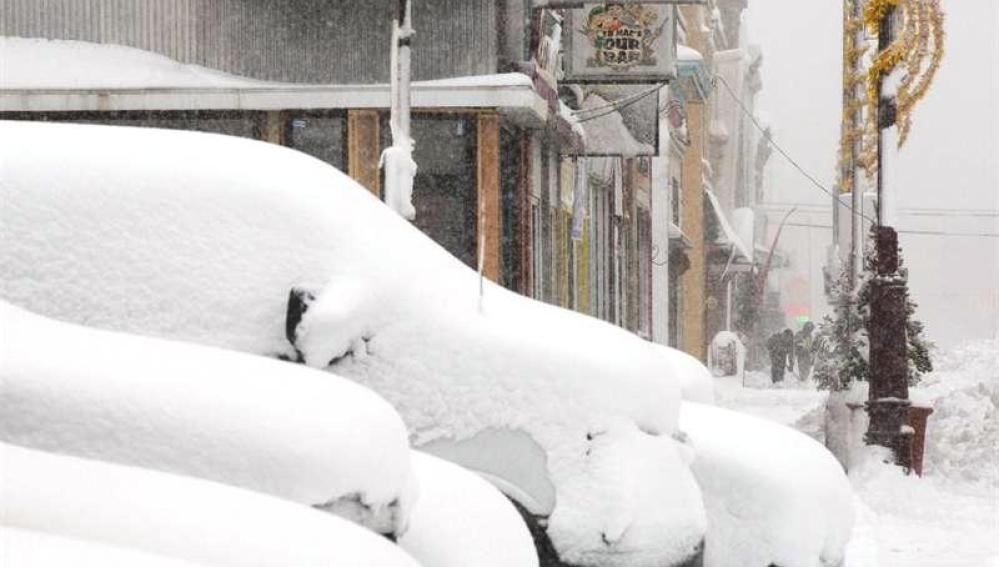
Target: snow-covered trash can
{"points": [[918, 416]]}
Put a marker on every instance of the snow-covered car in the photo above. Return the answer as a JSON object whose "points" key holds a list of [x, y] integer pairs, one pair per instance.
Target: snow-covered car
{"points": [[179, 517], [247, 421], [774, 496], [204, 238], [219, 415]]}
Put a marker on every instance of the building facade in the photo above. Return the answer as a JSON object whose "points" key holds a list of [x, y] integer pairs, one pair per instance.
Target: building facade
{"points": [[615, 212]]}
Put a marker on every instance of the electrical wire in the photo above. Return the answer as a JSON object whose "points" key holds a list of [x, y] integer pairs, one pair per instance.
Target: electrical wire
{"points": [[903, 231], [617, 105], [769, 138]]}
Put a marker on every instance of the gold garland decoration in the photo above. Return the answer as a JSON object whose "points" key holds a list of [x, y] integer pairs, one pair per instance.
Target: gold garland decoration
{"points": [[918, 49], [852, 55]]}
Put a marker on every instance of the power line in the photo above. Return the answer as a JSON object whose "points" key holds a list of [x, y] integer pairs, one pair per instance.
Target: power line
{"points": [[769, 137], [617, 105], [922, 232]]}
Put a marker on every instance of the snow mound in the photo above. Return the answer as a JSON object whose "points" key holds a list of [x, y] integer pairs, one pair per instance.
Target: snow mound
{"points": [[923, 522], [219, 415], [202, 237], [176, 516], [480, 526], [773, 495], [25, 548], [962, 438], [36, 63]]}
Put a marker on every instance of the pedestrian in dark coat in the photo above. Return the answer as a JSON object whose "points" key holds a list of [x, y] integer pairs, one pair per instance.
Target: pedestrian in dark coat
{"points": [[781, 347], [804, 350]]}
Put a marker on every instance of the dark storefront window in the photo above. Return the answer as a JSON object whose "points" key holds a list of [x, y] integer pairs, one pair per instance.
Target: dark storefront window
{"points": [[245, 124], [321, 135], [445, 192], [511, 164]]}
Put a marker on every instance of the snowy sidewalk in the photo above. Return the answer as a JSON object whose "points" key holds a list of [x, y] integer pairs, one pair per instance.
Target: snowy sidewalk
{"points": [[950, 517]]}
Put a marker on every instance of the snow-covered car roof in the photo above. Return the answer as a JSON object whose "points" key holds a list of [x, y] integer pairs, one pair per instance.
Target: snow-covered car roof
{"points": [[202, 237], [176, 516], [225, 416]]}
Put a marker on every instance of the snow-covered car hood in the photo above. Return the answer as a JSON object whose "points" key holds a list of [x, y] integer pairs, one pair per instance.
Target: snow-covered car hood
{"points": [[202, 238]]}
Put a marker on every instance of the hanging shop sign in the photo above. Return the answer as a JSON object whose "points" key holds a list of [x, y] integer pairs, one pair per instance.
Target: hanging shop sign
{"points": [[620, 43]]}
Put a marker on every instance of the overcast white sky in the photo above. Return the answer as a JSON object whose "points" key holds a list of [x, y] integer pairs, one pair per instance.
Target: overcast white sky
{"points": [[950, 162]]}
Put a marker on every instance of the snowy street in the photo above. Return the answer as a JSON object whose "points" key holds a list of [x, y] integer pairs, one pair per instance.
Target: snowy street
{"points": [[499, 283], [947, 518]]}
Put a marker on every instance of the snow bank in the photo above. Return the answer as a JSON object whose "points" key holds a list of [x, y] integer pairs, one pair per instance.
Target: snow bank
{"points": [[176, 516], [962, 433], [219, 415], [36, 63], [25, 548], [962, 438], [910, 521], [461, 520], [202, 237], [773, 495]]}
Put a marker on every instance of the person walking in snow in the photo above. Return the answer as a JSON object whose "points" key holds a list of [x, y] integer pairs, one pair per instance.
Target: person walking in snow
{"points": [[804, 350], [781, 347]]}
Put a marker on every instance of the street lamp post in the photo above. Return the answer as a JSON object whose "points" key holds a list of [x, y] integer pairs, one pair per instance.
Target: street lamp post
{"points": [[888, 397]]}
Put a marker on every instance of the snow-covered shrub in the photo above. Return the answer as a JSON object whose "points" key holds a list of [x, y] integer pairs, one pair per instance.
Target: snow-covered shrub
{"points": [[842, 343], [203, 237]]}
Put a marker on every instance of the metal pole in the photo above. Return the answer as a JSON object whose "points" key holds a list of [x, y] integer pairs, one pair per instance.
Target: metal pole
{"points": [[405, 65], [857, 195], [888, 399]]}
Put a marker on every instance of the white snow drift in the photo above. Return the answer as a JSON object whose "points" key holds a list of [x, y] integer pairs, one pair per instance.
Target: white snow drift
{"points": [[201, 237], [175, 516], [225, 416]]}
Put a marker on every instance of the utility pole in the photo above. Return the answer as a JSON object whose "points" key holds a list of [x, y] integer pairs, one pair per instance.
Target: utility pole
{"points": [[400, 169], [888, 399]]}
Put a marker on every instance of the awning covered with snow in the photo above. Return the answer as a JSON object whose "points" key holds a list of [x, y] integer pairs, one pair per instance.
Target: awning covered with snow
{"points": [[40, 75], [606, 132], [728, 238]]}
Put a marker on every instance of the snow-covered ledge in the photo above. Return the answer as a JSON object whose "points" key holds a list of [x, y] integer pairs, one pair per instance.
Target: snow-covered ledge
{"points": [[57, 76]]}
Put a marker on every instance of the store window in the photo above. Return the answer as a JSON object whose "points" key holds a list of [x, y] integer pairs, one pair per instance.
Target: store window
{"points": [[321, 135], [445, 191], [245, 124]]}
